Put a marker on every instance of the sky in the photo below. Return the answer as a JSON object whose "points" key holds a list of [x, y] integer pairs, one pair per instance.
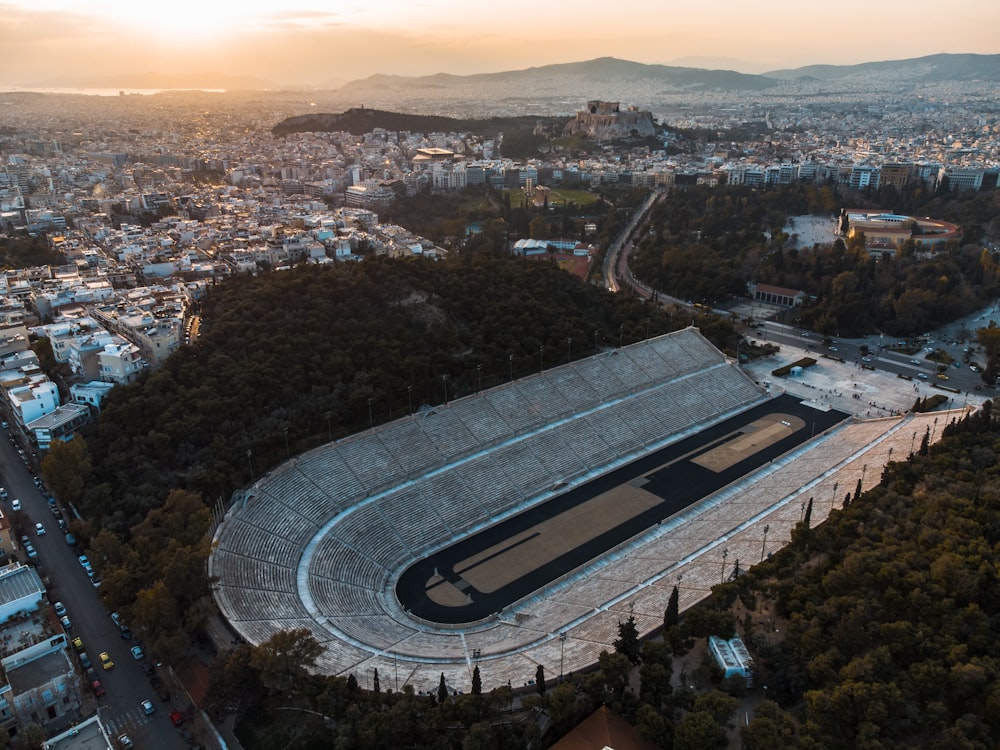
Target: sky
{"points": [[325, 43]]}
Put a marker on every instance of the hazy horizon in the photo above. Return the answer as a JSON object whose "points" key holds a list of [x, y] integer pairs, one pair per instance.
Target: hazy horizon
{"points": [[45, 42]]}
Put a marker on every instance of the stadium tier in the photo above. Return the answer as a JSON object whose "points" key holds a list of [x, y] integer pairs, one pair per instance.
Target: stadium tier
{"points": [[324, 538]]}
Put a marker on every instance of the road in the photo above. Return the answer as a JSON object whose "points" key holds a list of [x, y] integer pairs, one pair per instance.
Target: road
{"points": [[126, 685]]}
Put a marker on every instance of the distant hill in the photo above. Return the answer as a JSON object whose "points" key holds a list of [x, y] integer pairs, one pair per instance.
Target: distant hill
{"points": [[574, 80], [942, 67], [358, 121]]}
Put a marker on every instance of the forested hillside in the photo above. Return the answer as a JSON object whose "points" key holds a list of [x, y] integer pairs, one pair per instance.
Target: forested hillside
{"points": [[290, 360]]}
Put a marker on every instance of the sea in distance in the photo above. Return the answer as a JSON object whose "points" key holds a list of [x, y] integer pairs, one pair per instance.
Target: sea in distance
{"points": [[96, 92]]}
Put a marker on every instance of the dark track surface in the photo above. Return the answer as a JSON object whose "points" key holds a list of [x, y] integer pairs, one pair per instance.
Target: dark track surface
{"points": [[679, 486]]}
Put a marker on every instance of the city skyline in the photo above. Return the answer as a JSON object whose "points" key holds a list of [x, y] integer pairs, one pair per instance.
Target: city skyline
{"points": [[53, 42]]}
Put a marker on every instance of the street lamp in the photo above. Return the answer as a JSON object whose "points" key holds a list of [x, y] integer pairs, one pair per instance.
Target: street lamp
{"points": [[621, 333], [250, 461], [763, 546], [562, 651], [510, 358], [329, 424], [444, 380], [371, 422], [722, 576], [409, 396], [288, 453], [569, 349], [541, 360], [595, 341], [834, 496], [479, 371]]}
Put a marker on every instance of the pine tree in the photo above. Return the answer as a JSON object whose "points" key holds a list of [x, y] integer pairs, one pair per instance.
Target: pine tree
{"points": [[627, 643], [352, 683], [925, 442], [540, 680], [672, 615], [477, 682], [376, 688], [442, 691]]}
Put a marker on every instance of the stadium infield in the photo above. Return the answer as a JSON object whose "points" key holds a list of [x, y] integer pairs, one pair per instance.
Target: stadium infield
{"points": [[488, 571]]}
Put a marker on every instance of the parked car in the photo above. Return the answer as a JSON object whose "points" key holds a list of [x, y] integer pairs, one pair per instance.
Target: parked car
{"points": [[84, 561], [70, 540], [125, 742], [106, 661], [60, 608], [85, 660], [3, 493], [39, 529], [78, 643], [176, 718], [15, 504], [98, 688], [137, 653], [147, 668], [30, 549], [147, 707], [66, 623]]}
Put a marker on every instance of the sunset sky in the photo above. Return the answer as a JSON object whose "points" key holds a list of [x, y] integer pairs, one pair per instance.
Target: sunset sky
{"points": [[325, 43]]}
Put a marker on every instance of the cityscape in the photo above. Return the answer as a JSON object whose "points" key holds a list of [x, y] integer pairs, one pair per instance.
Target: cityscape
{"points": [[389, 413]]}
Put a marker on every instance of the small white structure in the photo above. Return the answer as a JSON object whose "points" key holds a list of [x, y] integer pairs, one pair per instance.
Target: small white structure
{"points": [[732, 657]]}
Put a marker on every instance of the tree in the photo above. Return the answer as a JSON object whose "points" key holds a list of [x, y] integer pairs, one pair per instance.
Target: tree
{"points": [[540, 679], [376, 687], [697, 730], [65, 469], [477, 681], [672, 614], [627, 642], [234, 683], [285, 658], [442, 691]]}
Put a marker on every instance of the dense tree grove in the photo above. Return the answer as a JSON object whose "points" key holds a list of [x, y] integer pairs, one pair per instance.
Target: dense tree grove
{"points": [[892, 609], [706, 244]]}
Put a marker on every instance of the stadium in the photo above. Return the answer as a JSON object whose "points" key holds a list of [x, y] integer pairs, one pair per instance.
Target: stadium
{"points": [[518, 526]]}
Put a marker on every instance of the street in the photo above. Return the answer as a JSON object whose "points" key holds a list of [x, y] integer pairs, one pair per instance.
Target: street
{"points": [[68, 582]]}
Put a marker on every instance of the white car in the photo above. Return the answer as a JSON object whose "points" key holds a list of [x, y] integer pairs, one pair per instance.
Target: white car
{"points": [[137, 653], [147, 707], [15, 504], [39, 529], [60, 608]]}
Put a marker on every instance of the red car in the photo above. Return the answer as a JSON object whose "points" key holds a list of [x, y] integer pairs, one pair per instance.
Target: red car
{"points": [[177, 718], [98, 688]]}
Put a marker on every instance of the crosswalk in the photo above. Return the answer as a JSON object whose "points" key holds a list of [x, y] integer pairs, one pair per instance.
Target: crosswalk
{"points": [[125, 722]]}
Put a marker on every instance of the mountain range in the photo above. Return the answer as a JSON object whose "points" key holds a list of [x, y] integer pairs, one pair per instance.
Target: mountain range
{"points": [[570, 79]]}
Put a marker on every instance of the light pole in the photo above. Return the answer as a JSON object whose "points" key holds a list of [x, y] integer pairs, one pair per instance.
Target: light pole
{"points": [[541, 357], [595, 341], [562, 651], [621, 333], [329, 425], [510, 358], [479, 372], [722, 575], [250, 461], [409, 396], [288, 453], [763, 546], [371, 422], [444, 380], [569, 349], [834, 496], [647, 329]]}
